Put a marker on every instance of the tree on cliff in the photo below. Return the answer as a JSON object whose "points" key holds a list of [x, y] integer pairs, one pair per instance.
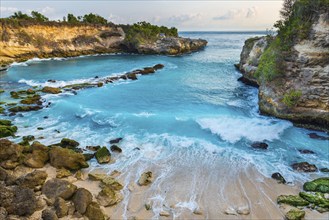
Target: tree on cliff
{"points": [[72, 19], [38, 16], [94, 19], [20, 15]]}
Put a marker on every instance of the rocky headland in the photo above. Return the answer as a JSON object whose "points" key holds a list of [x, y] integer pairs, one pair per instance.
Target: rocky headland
{"points": [[291, 69], [22, 40]]}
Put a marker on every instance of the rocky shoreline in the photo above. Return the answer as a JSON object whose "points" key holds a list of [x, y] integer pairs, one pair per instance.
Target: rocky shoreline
{"points": [[298, 90]]}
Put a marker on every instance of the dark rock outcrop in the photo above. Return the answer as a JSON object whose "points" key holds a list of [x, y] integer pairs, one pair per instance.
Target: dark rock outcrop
{"points": [[304, 167]]}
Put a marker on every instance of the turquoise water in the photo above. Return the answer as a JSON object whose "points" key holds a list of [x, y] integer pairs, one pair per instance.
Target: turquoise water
{"points": [[192, 113]]}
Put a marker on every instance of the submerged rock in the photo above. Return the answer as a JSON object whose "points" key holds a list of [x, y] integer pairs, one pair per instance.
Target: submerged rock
{"points": [[115, 141], [158, 66], [103, 155], [292, 200], [279, 178], [317, 185], [305, 151], [52, 90], [259, 145], [145, 179], [304, 167], [295, 214], [318, 137]]}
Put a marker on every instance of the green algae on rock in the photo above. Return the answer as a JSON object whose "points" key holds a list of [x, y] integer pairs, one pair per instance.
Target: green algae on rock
{"points": [[317, 185], [51, 90], [315, 198], [69, 143], [103, 155], [67, 158], [295, 214], [292, 200]]}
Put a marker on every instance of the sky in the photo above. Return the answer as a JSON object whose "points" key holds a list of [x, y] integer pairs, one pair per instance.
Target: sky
{"points": [[186, 15]]}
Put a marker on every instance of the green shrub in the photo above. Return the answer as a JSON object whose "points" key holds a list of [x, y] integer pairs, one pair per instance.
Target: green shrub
{"points": [[291, 98]]}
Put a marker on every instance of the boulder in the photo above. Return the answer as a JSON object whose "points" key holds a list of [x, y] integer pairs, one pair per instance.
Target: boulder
{"points": [[38, 157], [304, 167], [147, 70], [67, 158], [81, 200], [279, 178], [62, 173], [54, 188], [3, 174], [259, 145], [49, 214], [61, 207], [18, 200], [94, 212], [69, 143], [5, 122], [131, 76], [317, 185], [145, 179], [36, 99], [292, 200], [108, 197], [93, 148], [32, 180], [116, 148], [318, 137], [295, 214], [25, 108], [10, 151], [88, 156], [103, 155], [6, 131], [115, 141], [52, 90]]}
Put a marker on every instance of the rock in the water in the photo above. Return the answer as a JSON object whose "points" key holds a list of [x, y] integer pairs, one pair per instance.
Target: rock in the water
{"points": [[279, 178], [317, 185], [145, 179], [52, 90], [304, 167], [94, 212], [69, 143], [62, 173], [318, 137], [88, 156], [81, 199], [115, 141], [38, 157], [324, 170], [61, 207], [49, 214], [17, 200], [116, 148], [305, 151], [158, 66], [25, 108], [108, 197], [6, 131], [292, 200], [32, 180], [295, 214], [103, 155], [67, 158], [316, 198], [259, 145], [112, 183], [54, 188], [93, 148]]}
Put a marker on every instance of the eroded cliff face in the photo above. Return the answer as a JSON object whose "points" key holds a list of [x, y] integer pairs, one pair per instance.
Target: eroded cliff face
{"points": [[22, 42], [304, 82]]}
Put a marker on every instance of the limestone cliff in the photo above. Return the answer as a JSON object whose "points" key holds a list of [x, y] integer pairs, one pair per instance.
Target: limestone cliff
{"points": [[300, 91], [21, 41]]}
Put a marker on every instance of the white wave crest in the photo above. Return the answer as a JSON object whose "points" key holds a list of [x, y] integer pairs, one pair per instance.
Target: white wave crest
{"points": [[58, 83], [144, 114], [233, 129]]}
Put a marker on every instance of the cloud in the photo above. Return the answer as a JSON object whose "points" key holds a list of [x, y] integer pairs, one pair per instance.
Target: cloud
{"points": [[48, 10], [238, 13], [8, 9], [180, 19]]}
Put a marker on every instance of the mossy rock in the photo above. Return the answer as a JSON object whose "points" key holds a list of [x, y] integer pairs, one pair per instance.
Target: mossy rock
{"points": [[317, 185], [2, 110], [51, 90], [292, 200], [14, 95], [28, 138], [1, 103], [2, 91], [316, 198], [6, 131], [67, 158], [295, 214], [32, 100], [69, 143], [5, 122], [103, 155]]}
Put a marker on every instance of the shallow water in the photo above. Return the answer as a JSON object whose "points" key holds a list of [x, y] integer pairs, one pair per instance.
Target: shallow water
{"points": [[193, 115]]}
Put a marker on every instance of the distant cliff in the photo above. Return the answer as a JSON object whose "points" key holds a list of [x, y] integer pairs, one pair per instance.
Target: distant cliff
{"points": [[292, 68], [21, 40]]}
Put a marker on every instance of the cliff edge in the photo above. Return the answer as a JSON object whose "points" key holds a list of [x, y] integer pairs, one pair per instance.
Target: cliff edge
{"points": [[292, 71]]}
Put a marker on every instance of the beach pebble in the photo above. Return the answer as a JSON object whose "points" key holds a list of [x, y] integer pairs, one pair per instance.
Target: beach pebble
{"points": [[230, 211], [243, 210], [164, 213], [198, 211]]}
